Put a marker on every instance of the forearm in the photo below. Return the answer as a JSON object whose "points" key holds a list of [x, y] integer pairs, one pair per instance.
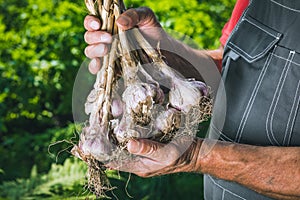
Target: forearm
{"points": [[189, 61], [272, 171]]}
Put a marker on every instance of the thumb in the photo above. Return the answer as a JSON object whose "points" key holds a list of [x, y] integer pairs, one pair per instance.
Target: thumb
{"points": [[141, 17], [143, 147]]}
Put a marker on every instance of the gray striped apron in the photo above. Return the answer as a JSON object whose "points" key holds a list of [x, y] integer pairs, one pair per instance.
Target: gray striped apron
{"points": [[261, 73]]}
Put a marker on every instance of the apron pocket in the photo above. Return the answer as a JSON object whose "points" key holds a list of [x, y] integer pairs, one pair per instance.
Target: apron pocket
{"points": [[253, 40]]}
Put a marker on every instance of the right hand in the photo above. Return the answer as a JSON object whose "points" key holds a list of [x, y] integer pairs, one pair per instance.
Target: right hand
{"points": [[153, 158], [142, 18]]}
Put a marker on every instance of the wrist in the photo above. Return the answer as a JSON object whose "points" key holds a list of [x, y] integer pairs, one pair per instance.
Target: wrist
{"points": [[194, 161], [217, 56], [204, 155]]}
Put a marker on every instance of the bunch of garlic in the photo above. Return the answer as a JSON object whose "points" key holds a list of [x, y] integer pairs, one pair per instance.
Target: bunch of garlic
{"points": [[141, 109]]}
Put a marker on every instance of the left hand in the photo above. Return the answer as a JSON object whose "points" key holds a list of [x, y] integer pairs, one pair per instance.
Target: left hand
{"points": [[154, 158]]}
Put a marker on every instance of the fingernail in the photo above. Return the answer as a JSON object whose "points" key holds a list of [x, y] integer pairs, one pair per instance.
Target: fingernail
{"points": [[94, 25], [93, 68], [123, 20], [133, 146], [105, 38], [93, 63]]}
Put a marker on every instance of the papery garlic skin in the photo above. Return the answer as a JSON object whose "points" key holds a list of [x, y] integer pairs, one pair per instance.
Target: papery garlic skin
{"points": [[124, 136], [157, 94], [116, 108], [201, 86]]}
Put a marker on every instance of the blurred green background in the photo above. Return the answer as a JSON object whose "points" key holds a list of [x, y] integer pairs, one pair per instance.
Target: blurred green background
{"points": [[41, 50]]}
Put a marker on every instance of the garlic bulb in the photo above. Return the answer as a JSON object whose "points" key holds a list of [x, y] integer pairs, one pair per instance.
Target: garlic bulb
{"points": [[125, 130], [185, 94], [93, 144], [139, 99], [168, 121]]}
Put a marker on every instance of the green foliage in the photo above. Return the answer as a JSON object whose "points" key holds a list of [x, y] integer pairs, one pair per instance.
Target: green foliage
{"points": [[41, 51], [61, 181], [68, 181], [39, 149], [175, 186]]}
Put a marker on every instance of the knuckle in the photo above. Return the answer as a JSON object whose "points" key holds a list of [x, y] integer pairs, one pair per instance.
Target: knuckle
{"points": [[151, 149], [105, 49], [146, 9]]}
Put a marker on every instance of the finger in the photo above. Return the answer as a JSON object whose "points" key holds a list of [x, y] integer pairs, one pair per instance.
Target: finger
{"points": [[142, 16], [165, 153], [96, 50], [94, 37], [91, 23], [94, 65], [137, 165], [143, 147]]}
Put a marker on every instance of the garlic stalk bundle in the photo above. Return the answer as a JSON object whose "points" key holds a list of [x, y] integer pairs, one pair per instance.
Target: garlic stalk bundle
{"points": [[143, 109]]}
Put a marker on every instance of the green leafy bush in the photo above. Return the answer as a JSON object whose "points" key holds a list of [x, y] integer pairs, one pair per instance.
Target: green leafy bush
{"points": [[61, 181], [41, 53]]}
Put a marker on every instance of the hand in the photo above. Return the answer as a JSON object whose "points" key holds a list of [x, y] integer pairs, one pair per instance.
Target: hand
{"points": [[153, 158], [97, 40]]}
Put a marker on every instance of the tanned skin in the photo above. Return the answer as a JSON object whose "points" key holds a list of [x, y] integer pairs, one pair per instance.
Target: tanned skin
{"points": [[272, 171]]}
